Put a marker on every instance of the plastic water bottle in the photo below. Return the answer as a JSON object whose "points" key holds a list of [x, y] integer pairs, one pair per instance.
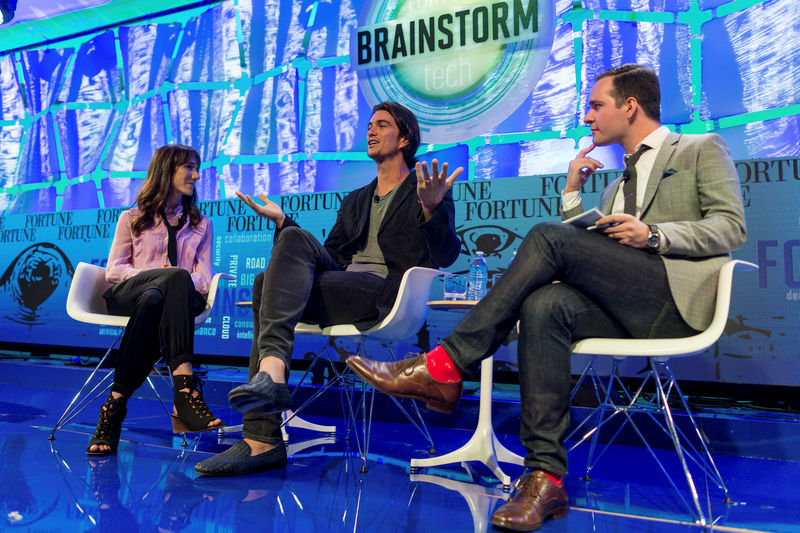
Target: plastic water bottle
{"points": [[478, 272]]}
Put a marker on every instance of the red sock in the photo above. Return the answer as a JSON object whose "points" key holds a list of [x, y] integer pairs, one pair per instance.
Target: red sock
{"points": [[555, 478], [441, 366]]}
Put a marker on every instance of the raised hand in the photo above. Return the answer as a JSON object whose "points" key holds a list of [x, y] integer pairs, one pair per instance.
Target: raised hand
{"points": [[431, 187], [580, 169], [269, 210]]}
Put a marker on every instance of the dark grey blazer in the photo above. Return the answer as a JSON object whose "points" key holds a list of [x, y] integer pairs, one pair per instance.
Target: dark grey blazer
{"points": [[405, 238]]}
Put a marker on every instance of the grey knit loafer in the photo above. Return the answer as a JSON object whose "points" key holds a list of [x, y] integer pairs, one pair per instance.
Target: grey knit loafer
{"points": [[237, 461], [261, 395]]}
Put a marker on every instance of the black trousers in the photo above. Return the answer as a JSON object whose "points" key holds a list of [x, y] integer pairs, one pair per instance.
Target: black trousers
{"points": [[161, 304], [301, 282]]}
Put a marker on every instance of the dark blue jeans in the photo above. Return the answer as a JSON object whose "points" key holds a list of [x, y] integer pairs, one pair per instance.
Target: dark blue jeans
{"points": [[606, 289], [301, 282]]}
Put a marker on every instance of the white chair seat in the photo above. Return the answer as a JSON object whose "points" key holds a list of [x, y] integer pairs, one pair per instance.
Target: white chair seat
{"points": [[614, 397], [85, 303], [403, 321]]}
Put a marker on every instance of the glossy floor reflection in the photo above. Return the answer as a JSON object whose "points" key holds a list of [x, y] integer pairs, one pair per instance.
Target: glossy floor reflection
{"points": [[150, 484]]}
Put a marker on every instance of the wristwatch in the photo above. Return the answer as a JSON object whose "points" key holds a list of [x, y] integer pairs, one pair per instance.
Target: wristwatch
{"points": [[653, 239]]}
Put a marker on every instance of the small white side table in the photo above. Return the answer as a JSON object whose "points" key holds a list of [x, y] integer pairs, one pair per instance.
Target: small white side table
{"points": [[483, 446]]}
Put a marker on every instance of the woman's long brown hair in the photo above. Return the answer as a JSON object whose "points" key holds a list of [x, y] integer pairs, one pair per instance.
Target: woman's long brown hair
{"points": [[158, 184]]}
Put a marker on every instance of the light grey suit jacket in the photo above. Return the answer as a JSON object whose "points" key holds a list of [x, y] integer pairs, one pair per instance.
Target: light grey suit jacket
{"points": [[693, 195]]}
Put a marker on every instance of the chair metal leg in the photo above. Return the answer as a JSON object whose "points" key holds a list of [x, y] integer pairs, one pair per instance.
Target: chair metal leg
{"points": [[81, 401], [630, 405], [599, 417], [366, 423], [73, 409], [600, 393], [626, 410], [706, 463], [676, 442], [587, 370], [158, 396], [293, 420]]}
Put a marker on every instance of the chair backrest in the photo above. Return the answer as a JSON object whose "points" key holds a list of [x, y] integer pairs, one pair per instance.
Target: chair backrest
{"points": [[211, 296], [667, 348], [407, 314], [85, 301]]}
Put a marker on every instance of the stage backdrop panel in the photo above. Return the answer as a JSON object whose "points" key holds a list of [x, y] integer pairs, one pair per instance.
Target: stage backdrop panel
{"points": [[759, 344]]}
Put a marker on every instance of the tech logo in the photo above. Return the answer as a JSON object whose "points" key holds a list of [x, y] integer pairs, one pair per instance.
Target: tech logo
{"points": [[461, 66]]}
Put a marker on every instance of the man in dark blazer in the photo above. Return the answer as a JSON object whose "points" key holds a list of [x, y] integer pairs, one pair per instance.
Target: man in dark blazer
{"points": [[648, 270], [400, 220]]}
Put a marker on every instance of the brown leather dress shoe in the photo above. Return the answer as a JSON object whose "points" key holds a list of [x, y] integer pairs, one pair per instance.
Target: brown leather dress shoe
{"points": [[537, 499], [408, 378]]}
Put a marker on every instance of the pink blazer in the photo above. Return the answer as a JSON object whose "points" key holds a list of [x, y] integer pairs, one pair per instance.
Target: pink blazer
{"points": [[130, 255]]}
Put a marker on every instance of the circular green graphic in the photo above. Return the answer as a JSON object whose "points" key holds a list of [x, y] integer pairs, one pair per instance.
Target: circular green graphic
{"points": [[449, 75], [461, 66]]}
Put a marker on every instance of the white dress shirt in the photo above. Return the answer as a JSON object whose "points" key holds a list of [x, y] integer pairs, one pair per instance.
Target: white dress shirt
{"points": [[644, 166]]}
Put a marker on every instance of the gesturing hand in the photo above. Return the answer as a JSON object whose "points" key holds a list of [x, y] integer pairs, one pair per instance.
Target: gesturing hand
{"points": [[269, 210], [580, 169], [432, 187]]}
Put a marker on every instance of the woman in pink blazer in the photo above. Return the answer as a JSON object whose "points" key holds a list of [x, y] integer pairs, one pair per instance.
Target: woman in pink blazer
{"points": [[160, 265]]}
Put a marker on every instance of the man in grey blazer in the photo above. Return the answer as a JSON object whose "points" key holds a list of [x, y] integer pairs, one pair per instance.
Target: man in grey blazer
{"points": [[648, 270]]}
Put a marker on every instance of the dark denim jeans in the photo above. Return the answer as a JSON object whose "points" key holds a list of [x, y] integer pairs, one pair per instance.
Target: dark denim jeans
{"points": [[301, 282], [606, 289]]}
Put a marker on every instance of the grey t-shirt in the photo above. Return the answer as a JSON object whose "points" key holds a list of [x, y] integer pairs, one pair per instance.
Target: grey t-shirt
{"points": [[370, 258]]}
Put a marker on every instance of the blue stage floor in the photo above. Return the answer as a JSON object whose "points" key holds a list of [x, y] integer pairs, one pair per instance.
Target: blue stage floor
{"points": [[150, 484]]}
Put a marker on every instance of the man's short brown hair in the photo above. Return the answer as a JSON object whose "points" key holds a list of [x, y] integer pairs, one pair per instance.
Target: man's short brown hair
{"points": [[632, 80]]}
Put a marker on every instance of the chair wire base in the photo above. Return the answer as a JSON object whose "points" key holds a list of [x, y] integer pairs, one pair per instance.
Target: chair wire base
{"points": [[366, 406], [614, 398], [348, 383], [82, 400], [291, 418]]}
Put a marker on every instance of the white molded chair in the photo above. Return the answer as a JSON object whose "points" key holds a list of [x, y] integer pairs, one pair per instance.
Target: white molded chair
{"points": [[85, 303], [616, 399], [403, 321]]}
